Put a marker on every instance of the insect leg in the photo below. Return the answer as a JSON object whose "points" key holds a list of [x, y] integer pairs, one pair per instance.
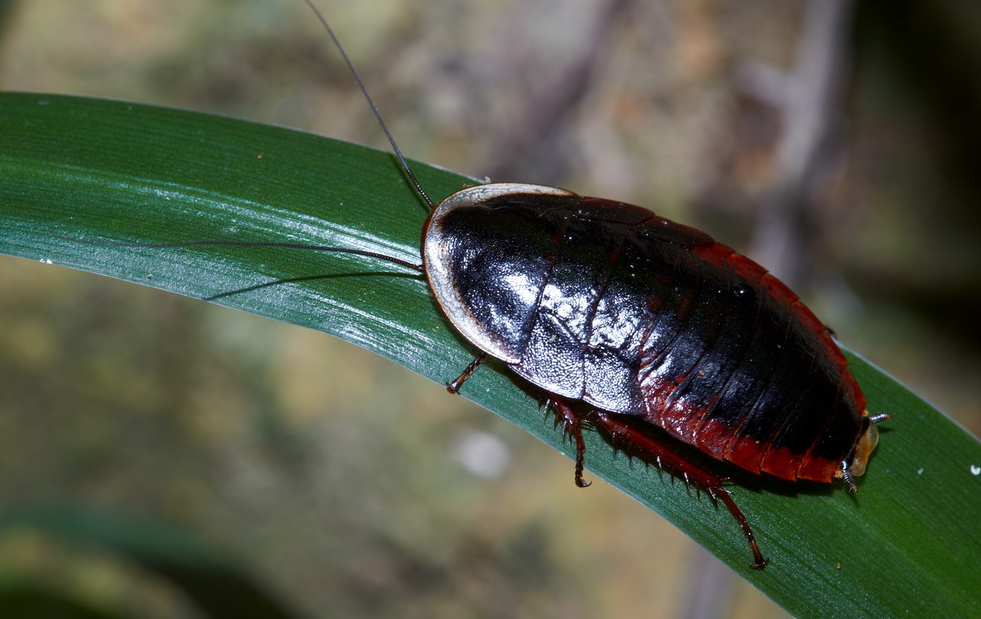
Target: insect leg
{"points": [[659, 450], [572, 426], [454, 385]]}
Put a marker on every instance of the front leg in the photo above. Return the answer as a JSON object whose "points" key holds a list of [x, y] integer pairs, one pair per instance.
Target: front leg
{"points": [[454, 385]]}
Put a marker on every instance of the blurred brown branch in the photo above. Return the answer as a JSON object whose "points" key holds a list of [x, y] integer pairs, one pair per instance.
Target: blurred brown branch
{"points": [[810, 99]]}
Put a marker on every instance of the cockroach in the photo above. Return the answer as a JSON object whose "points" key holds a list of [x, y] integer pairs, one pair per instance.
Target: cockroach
{"points": [[643, 328]]}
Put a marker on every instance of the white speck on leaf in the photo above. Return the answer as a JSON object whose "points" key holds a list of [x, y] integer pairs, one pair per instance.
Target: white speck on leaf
{"points": [[975, 469], [45, 261], [919, 471]]}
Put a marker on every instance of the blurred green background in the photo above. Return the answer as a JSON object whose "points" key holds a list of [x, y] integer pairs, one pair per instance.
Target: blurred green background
{"points": [[348, 486]]}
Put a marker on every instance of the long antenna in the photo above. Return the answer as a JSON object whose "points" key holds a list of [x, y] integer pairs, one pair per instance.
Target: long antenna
{"points": [[371, 103], [331, 248]]}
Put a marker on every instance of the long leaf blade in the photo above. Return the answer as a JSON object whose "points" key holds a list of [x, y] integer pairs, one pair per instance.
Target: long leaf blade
{"points": [[78, 173]]}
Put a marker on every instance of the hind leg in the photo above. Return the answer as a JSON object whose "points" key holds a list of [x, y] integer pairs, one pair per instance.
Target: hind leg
{"points": [[655, 447]]}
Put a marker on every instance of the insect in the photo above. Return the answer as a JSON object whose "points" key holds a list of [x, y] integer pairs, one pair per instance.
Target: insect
{"points": [[645, 329]]}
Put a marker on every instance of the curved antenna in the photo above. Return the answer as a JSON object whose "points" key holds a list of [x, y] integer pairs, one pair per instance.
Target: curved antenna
{"points": [[371, 103]]}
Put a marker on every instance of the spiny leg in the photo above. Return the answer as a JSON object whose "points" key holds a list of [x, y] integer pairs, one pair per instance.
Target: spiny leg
{"points": [[572, 427], [658, 448]]}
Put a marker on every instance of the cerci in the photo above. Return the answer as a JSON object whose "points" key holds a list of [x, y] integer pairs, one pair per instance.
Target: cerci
{"points": [[645, 329]]}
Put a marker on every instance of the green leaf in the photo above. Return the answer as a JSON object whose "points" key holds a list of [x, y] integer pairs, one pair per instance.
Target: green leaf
{"points": [[78, 172]]}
